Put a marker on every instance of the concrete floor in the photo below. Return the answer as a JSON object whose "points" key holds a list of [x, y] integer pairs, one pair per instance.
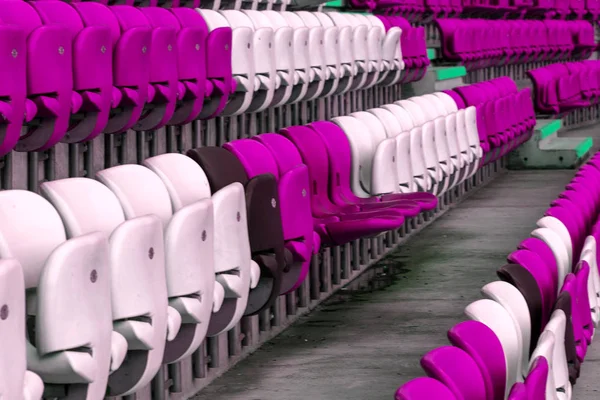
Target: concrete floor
{"points": [[363, 345]]}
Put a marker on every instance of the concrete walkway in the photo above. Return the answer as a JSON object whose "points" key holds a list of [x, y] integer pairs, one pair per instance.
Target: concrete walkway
{"points": [[363, 345]]}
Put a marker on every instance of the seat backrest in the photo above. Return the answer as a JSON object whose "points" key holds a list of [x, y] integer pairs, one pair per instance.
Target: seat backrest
{"points": [[185, 181], [545, 253], [363, 152], [499, 320], [556, 243], [388, 120], [558, 225], [30, 230], [415, 112], [482, 344], [404, 119], [455, 369], [220, 166], [513, 301]]}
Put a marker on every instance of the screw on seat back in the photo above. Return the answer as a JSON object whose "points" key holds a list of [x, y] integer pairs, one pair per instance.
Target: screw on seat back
{"points": [[15, 380], [481, 343], [499, 320], [141, 192], [69, 285], [424, 388], [137, 267], [456, 369]]}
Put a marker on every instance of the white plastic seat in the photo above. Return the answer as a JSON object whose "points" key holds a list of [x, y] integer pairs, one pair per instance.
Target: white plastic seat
{"points": [[331, 54], [16, 382], [375, 35], [588, 254], [368, 158], [391, 52], [283, 56], [557, 245], [557, 325], [557, 226], [242, 62], [545, 348], [68, 296], [298, 52], [315, 54], [435, 142], [498, 319], [509, 297], [189, 249], [384, 178], [441, 101], [425, 180], [470, 122], [236, 272], [266, 79], [359, 47], [400, 128], [140, 307]]}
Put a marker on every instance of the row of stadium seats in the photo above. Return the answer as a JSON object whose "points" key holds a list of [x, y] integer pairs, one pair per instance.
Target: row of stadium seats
{"points": [[529, 337]]}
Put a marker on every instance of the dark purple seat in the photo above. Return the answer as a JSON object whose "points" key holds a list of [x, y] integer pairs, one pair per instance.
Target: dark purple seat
{"points": [[570, 286], [523, 280]]}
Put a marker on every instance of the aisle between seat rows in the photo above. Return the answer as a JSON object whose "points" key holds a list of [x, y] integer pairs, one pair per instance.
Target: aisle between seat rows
{"points": [[366, 347]]}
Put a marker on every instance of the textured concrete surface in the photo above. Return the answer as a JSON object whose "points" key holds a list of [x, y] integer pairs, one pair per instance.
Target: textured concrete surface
{"points": [[363, 345]]}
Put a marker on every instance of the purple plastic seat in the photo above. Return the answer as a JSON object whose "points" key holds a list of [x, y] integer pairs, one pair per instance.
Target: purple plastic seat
{"points": [[538, 268], [333, 228], [518, 392], [161, 64], [220, 82], [480, 342], [130, 73], [457, 370], [424, 388], [49, 77], [190, 54], [296, 218], [91, 68], [582, 272], [339, 155], [570, 286], [13, 92], [536, 380], [314, 155], [545, 252]]}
